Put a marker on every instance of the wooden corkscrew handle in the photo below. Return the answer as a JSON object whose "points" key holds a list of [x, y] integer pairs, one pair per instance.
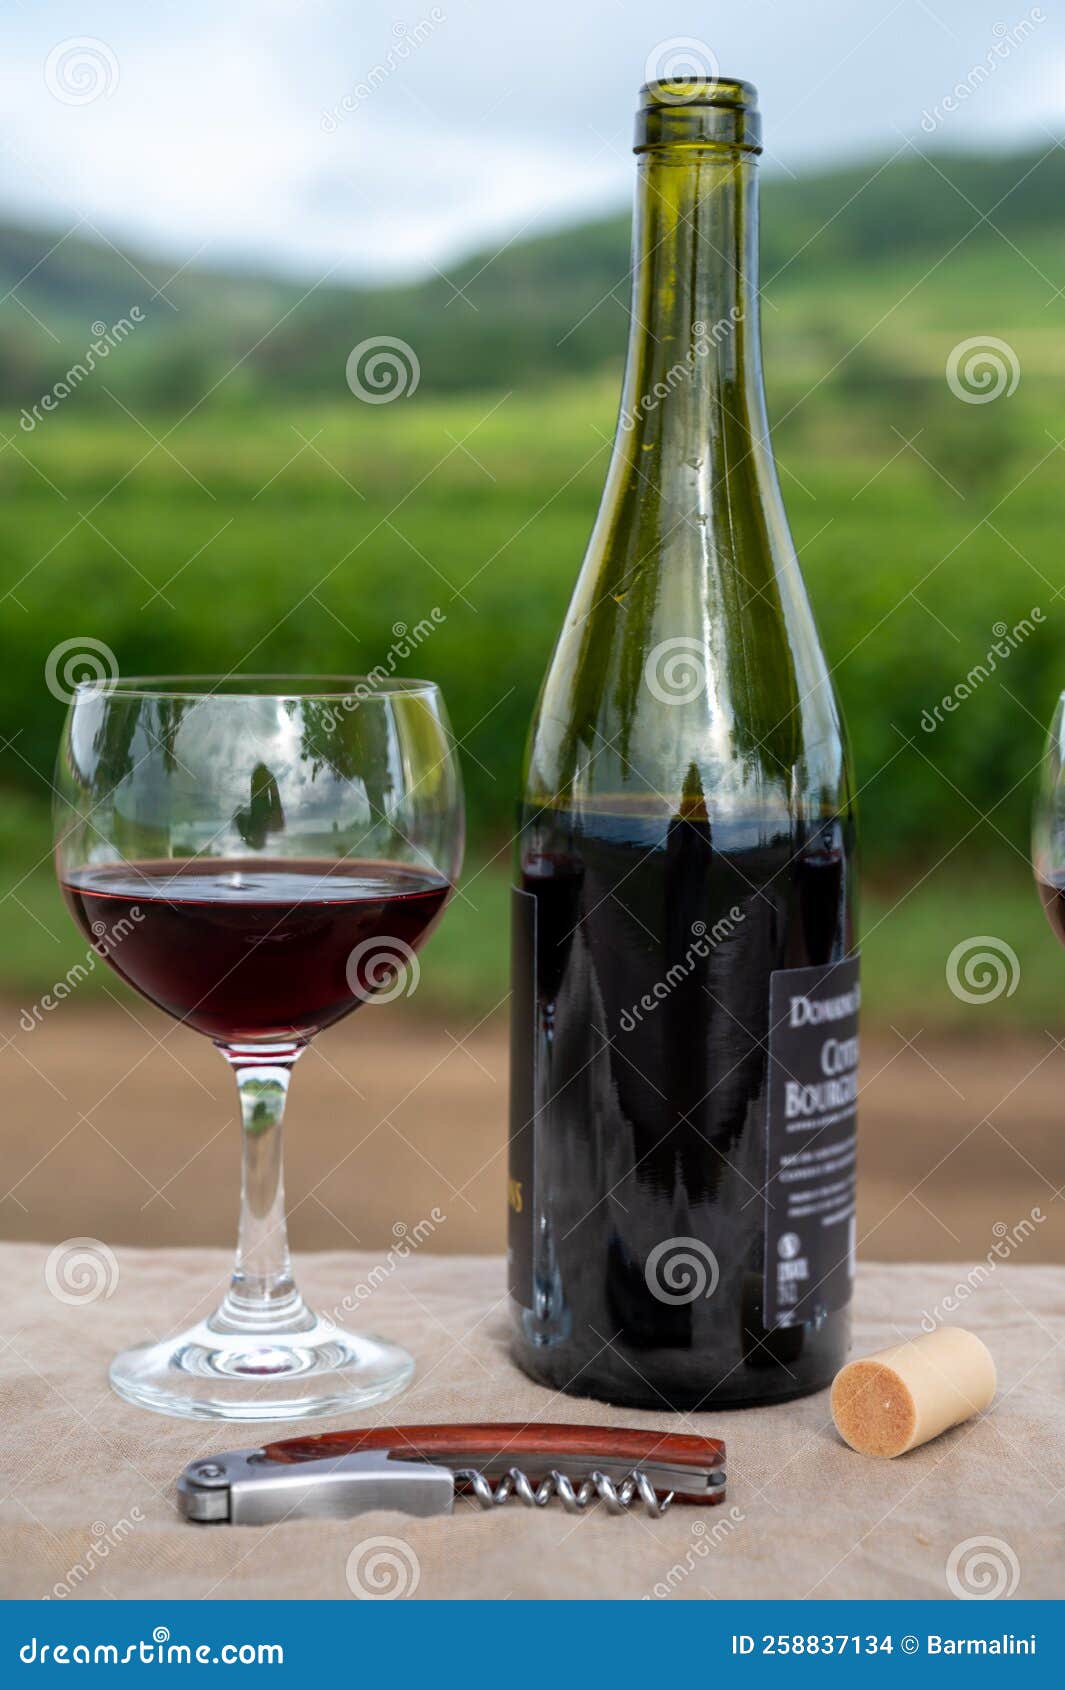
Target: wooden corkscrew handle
{"points": [[553, 1443]]}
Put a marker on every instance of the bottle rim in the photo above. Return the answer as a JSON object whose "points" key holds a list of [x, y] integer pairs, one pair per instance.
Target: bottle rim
{"points": [[702, 109]]}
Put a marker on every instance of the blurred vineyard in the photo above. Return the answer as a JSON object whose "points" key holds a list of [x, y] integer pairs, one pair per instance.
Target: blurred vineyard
{"points": [[267, 527]]}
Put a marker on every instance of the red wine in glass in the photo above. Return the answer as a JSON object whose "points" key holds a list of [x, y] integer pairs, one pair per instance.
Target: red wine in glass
{"points": [[252, 948]]}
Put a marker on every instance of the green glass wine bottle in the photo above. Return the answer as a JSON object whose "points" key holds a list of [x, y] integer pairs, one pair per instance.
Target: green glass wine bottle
{"points": [[685, 984]]}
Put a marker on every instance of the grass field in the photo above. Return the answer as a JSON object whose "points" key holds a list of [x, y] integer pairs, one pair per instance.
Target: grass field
{"points": [[275, 562], [236, 544]]}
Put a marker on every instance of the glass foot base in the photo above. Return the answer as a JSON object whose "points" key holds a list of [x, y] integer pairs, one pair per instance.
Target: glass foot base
{"points": [[205, 1374]]}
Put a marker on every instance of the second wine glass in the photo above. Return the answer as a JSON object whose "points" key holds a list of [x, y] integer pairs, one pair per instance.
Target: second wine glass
{"points": [[1048, 824]]}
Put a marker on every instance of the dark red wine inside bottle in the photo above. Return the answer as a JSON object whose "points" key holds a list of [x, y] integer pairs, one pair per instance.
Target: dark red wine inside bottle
{"points": [[684, 973]]}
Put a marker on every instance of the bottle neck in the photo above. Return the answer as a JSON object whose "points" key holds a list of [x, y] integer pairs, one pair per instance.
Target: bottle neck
{"points": [[694, 371], [688, 670]]}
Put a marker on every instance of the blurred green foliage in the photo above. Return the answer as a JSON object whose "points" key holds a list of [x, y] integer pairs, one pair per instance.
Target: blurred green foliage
{"points": [[244, 548], [277, 523]]}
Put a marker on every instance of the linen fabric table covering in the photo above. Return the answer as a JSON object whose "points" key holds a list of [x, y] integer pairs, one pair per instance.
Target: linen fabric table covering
{"points": [[88, 1494]]}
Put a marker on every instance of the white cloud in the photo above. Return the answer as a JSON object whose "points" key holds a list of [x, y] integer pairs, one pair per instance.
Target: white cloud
{"points": [[501, 116]]}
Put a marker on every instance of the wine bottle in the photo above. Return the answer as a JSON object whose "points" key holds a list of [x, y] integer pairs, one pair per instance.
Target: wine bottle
{"points": [[685, 985]]}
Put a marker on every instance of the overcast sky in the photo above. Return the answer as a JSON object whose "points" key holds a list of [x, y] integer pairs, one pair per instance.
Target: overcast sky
{"points": [[259, 131]]}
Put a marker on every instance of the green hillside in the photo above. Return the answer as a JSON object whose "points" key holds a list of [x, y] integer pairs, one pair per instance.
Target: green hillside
{"points": [[275, 522], [540, 310]]}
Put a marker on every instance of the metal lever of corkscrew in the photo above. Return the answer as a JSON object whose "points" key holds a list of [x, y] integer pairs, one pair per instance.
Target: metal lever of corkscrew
{"points": [[420, 1469]]}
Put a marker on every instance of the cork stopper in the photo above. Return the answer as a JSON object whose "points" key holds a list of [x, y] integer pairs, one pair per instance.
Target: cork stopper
{"points": [[899, 1398]]}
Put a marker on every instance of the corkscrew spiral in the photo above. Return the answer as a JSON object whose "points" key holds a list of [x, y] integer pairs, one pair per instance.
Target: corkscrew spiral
{"points": [[597, 1487]]}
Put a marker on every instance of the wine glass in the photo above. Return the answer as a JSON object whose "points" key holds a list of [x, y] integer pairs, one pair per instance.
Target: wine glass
{"points": [[1048, 824], [259, 855]]}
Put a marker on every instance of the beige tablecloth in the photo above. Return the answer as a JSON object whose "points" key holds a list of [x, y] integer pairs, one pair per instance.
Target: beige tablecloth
{"points": [[88, 1490]]}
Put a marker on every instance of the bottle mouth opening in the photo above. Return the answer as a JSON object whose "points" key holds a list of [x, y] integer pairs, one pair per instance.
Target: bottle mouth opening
{"points": [[698, 107]]}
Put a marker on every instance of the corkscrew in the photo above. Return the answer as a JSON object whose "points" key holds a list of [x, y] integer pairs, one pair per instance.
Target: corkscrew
{"points": [[421, 1469], [598, 1486]]}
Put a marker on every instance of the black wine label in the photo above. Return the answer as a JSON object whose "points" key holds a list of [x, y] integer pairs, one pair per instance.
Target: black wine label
{"points": [[523, 1035], [810, 1132]]}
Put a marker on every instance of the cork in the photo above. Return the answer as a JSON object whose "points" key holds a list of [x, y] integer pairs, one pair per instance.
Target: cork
{"points": [[893, 1401]]}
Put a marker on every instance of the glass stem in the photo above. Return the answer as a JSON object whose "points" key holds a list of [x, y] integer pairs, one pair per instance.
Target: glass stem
{"points": [[262, 1295]]}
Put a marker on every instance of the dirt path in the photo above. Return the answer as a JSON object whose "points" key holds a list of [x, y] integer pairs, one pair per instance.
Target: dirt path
{"points": [[125, 1129]]}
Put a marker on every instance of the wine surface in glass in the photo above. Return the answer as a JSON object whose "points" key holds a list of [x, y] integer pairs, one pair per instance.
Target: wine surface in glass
{"points": [[253, 948]]}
